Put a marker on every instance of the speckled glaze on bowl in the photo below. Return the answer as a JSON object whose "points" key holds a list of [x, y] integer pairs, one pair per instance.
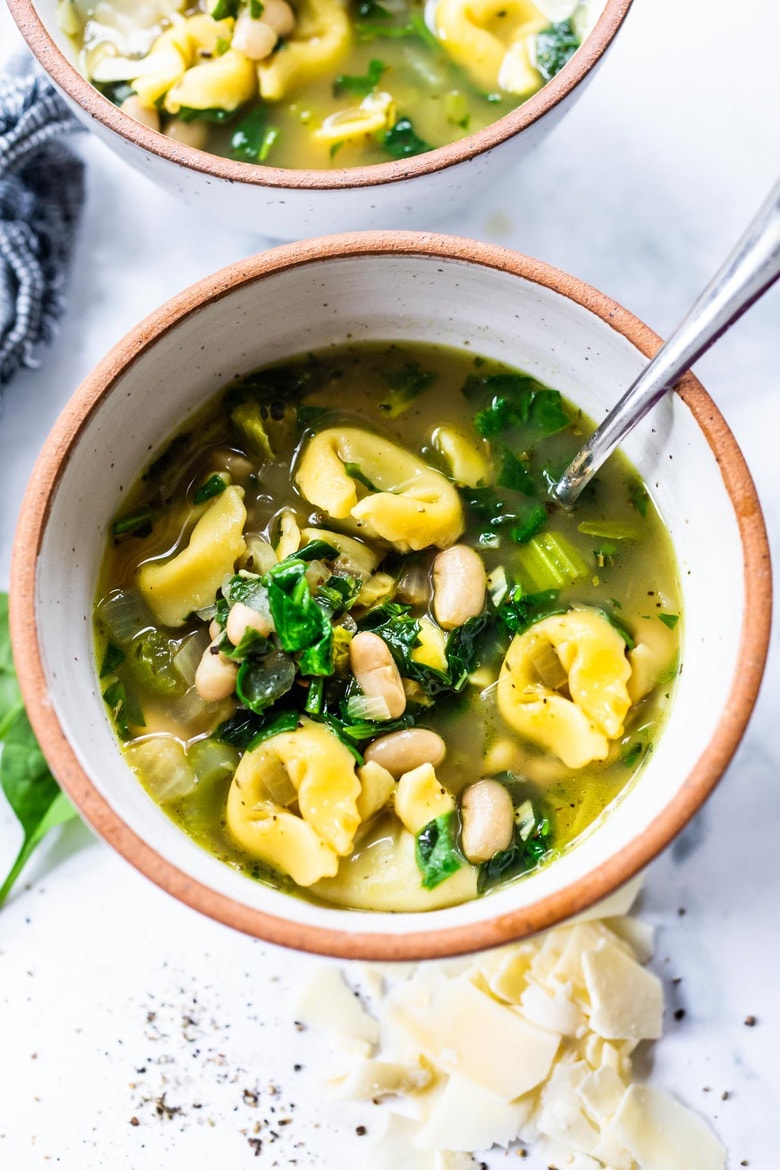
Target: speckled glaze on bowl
{"points": [[387, 286], [418, 192]]}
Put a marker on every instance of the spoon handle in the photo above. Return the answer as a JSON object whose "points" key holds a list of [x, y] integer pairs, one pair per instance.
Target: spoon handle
{"points": [[749, 270]]}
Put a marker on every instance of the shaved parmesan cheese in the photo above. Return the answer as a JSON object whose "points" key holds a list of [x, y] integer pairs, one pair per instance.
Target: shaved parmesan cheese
{"points": [[325, 1001], [627, 1001], [372, 1079], [468, 1117], [663, 1135], [530, 1042], [620, 902], [466, 1032]]}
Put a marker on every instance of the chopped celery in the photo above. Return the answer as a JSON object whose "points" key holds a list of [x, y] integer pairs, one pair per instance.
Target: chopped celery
{"points": [[610, 529], [549, 561], [212, 760], [247, 420]]}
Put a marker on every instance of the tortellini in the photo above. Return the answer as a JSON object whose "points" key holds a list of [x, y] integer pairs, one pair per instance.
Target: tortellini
{"points": [[592, 655], [413, 505], [420, 798], [489, 39], [320, 775], [189, 581], [321, 37]]}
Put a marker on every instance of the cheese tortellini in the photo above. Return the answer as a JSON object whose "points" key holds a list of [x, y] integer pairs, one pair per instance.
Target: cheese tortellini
{"points": [[490, 40], [321, 38], [592, 655], [409, 504], [309, 768]]}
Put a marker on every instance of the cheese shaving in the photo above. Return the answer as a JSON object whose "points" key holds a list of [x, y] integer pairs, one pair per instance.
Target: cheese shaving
{"points": [[529, 1043]]}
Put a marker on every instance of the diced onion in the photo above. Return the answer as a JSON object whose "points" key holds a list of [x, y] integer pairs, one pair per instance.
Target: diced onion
{"points": [[124, 615], [162, 766], [371, 707], [188, 656]]}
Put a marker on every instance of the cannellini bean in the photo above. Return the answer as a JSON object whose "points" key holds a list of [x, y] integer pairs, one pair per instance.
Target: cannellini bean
{"points": [[487, 815], [459, 583], [242, 618], [376, 672], [132, 106], [256, 39], [215, 629], [279, 16], [187, 133], [402, 751], [215, 677]]}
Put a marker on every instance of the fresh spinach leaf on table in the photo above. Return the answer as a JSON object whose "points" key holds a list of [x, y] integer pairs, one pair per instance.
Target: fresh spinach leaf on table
{"points": [[29, 786]]}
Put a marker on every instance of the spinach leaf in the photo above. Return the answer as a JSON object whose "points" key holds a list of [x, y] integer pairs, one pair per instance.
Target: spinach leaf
{"points": [[112, 658], [315, 550], [463, 649], [555, 45], [138, 523], [367, 30], [261, 681], [404, 384], [301, 624], [371, 10], [253, 644], [401, 140], [523, 854], [514, 474], [360, 86], [274, 725], [116, 91], [149, 661], [225, 8], [670, 620], [516, 400], [214, 486], [519, 518], [215, 116], [519, 610], [253, 138], [32, 792], [436, 850], [240, 729]]}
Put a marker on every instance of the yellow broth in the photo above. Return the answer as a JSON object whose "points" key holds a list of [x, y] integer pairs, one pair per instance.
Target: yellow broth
{"points": [[347, 83], [406, 393]]}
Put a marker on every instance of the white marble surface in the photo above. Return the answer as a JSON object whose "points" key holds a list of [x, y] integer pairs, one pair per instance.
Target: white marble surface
{"points": [[641, 192]]}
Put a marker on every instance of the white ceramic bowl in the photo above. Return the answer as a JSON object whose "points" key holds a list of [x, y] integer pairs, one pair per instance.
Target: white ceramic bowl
{"points": [[387, 286], [417, 192]]}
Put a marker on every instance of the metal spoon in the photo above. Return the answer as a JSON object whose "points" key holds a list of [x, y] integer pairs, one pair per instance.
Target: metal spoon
{"points": [[752, 266]]}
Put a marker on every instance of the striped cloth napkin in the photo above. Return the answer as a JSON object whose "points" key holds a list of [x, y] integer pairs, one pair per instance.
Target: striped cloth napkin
{"points": [[41, 196]]}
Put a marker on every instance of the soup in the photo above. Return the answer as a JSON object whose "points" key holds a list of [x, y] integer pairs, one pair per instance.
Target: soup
{"points": [[352, 648], [321, 83]]}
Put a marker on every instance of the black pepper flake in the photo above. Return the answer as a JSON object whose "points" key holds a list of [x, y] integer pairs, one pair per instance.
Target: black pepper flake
{"points": [[680, 1014], [725, 1095], [134, 1121], [361, 1130], [256, 1144], [297, 1067], [750, 1021], [681, 911]]}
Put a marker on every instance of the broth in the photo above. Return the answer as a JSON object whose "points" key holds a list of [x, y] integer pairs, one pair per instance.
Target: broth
{"points": [[576, 610], [321, 83]]}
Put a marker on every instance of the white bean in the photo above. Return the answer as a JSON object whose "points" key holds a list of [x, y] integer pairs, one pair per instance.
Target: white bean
{"points": [[376, 672], [242, 618], [402, 751], [132, 106], [488, 822], [215, 677], [459, 583], [256, 39], [279, 16]]}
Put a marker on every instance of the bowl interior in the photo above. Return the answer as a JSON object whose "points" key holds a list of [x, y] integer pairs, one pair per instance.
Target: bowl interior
{"points": [[281, 305]]}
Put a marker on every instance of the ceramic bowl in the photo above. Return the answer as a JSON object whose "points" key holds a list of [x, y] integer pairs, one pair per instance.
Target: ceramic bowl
{"points": [[387, 286], [418, 192]]}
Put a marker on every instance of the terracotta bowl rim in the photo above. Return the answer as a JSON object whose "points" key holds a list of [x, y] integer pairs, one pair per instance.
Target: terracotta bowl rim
{"points": [[431, 943], [84, 94]]}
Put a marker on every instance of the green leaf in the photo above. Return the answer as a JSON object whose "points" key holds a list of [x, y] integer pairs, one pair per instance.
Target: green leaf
{"points": [[670, 620], [274, 725], [116, 91], [554, 47], [522, 855], [368, 30], [261, 681], [112, 658], [639, 498], [354, 472], [253, 138], [516, 400], [436, 850], [32, 792], [215, 116], [514, 474], [360, 86], [315, 550], [401, 141], [225, 8], [214, 486], [138, 523], [519, 610], [301, 624], [405, 385]]}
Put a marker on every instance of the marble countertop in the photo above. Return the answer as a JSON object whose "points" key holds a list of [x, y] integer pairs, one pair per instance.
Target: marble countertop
{"points": [[134, 1032]]}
